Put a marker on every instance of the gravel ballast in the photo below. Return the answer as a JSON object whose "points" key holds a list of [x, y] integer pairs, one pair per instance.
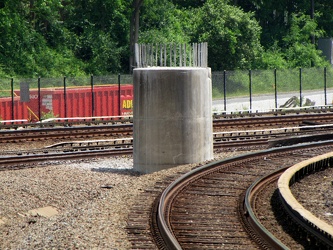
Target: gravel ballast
{"points": [[92, 198]]}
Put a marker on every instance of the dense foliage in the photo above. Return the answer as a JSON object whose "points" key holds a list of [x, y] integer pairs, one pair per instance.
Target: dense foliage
{"points": [[80, 37]]}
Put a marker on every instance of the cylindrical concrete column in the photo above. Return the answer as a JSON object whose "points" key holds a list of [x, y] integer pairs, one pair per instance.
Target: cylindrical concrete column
{"points": [[172, 117]]}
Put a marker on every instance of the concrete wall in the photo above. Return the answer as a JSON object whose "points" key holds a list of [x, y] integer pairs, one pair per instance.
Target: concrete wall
{"points": [[172, 117]]}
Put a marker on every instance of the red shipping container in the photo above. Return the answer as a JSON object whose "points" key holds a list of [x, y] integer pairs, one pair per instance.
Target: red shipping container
{"points": [[78, 103], [21, 111]]}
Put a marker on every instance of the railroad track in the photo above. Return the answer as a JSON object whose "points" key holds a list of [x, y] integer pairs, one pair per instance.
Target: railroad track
{"points": [[111, 120], [17, 159], [250, 214], [227, 140], [200, 238], [66, 122], [228, 236], [201, 209], [64, 132], [90, 127], [65, 151], [274, 137], [266, 121], [300, 223]]}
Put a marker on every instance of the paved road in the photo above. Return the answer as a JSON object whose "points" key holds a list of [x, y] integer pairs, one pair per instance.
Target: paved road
{"points": [[267, 102]]}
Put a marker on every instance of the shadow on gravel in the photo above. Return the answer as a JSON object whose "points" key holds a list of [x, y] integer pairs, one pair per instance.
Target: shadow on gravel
{"points": [[298, 234], [117, 171]]}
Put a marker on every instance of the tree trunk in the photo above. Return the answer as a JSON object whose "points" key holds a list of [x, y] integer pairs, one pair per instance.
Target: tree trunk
{"points": [[134, 31]]}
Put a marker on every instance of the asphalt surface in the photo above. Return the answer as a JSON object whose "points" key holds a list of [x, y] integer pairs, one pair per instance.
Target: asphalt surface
{"points": [[269, 102]]}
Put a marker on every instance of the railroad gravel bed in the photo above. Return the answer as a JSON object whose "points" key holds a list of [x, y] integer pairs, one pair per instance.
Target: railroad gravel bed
{"points": [[315, 193], [92, 199], [273, 217]]}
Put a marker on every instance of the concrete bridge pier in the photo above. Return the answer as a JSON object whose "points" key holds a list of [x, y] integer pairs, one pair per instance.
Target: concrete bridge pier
{"points": [[172, 113]]}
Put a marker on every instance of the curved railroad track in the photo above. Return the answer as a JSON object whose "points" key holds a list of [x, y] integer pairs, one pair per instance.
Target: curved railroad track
{"points": [[300, 223], [250, 214], [201, 209], [183, 212]]}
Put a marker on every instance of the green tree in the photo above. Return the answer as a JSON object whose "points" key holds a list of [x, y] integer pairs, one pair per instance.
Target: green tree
{"points": [[272, 58], [75, 37], [298, 49], [274, 16], [233, 36], [188, 3], [325, 19], [25, 28], [163, 22], [63, 37], [101, 34]]}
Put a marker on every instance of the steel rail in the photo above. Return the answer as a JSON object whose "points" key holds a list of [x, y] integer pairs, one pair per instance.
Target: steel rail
{"points": [[250, 217], [71, 121], [58, 132], [22, 161], [274, 131], [86, 145], [65, 122], [271, 120], [239, 118], [175, 187], [255, 139], [125, 126]]}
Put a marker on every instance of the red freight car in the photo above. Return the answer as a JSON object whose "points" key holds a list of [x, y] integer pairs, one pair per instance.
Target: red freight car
{"points": [[78, 103], [21, 110]]}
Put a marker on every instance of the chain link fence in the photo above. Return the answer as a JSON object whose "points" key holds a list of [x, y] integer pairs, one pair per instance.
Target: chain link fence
{"points": [[272, 89], [42, 98]]}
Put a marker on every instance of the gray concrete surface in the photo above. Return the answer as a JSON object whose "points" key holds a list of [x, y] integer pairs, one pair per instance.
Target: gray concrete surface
{"points": [[172, 118]]}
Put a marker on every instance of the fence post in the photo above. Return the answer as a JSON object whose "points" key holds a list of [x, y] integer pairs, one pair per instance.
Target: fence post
{"points": [[170, 55], [180, 55], [119, 101], [250, 88], [325, 84], [65, 97], [224, 90], [12, 96], [275, 88], [92, 95], [39, 101], [175, 55], [300, 87]]}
